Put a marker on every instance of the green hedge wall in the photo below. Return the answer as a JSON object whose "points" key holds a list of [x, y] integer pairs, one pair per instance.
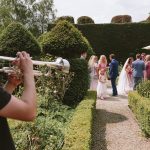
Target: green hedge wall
{"points": [[78, 135], [141, 108], [121, 39]]}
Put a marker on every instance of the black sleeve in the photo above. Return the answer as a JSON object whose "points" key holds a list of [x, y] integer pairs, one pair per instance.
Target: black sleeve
{"points": [[4, 98]]}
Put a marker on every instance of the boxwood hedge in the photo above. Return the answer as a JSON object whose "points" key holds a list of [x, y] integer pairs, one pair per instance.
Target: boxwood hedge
{"points": [[141, 108], [78, 135], [16, 38]]}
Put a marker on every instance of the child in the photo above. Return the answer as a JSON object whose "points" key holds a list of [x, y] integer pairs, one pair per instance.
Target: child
{"points": [[102, 87]]}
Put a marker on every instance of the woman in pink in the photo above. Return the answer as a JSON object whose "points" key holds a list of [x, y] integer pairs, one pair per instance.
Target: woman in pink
{"points": [[102, 67], [147, 67]]}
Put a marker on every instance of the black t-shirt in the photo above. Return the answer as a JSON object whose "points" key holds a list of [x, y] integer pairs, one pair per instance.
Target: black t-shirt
{"points": [[6, 141]]}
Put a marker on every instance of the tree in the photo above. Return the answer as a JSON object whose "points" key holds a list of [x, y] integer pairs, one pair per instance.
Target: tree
{"points": [[34, 14]]}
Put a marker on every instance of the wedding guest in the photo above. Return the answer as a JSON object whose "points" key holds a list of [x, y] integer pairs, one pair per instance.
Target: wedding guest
{"points": [[83, 55], [12, 107], [138, 70], [102, 87], [93, 69], [102, 63], [113, 73], [143, 56], [147, 67]]}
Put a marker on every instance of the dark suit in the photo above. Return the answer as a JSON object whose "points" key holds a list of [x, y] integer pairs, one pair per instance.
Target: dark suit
{"points": [[113, 73]]}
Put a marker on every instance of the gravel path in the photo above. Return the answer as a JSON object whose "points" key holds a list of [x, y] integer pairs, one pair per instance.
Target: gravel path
{"points": [[115, 127]]}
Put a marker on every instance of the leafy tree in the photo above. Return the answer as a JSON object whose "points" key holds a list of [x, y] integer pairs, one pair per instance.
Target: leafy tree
{"points": [[34, 14]]}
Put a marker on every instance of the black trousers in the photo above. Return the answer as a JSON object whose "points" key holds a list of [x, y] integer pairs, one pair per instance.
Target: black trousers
{"points": [[114, 88]]}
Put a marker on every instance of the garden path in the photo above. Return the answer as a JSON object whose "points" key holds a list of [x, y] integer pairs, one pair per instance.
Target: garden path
{"points": [[115, 127]]}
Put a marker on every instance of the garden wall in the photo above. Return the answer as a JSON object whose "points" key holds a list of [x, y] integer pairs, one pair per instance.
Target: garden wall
{"points": [[121, 39]]}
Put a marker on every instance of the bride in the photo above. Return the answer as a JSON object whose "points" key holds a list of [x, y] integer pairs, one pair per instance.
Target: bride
{"points": [[125, 82]]}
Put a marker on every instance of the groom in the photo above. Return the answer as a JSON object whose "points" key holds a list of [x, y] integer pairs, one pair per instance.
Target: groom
{"points": [[113, 73]]}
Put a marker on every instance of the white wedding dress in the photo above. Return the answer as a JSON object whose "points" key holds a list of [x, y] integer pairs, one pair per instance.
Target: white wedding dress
{"points": [[124, 86]]}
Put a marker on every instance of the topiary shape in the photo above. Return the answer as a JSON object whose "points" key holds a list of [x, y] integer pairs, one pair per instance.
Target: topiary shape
{"points": [[121, 19], [64, 40], [16, 38], [67, 18], [85, 20]]}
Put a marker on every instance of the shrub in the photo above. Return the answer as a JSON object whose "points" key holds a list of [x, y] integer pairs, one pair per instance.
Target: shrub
{"points": [[144, 89], [78, 135], [85, 20], [64, 40], [79, 84], [16, 38], [67, 18], [47, 131], [121, 19], [141, 108]]}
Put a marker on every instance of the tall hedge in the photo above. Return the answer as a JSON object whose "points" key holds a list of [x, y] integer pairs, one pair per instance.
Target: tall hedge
{"points": [[16, 38], [67, 18], [64, 40], [79, 84], [121, 39], [85, 20]]}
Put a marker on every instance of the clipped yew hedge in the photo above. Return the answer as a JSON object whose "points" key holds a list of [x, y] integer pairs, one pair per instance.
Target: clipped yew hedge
{"points": [[64, 40], [121, 39], [16, 38], [141, 108], [85, 20], [78, 135], [79, 84], [67, 18]]}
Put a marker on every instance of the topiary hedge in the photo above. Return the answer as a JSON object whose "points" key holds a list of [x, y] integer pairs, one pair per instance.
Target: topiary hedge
{"points": [[16, 38], [85, 20], [64, 40], [67, 18], [121, 19], [121, 39], [78, 135], [144, 89], [141, 108], [79, 84]]}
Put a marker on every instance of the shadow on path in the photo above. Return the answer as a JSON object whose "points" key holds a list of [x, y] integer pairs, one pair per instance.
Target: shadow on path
{"points": [[101, 119]]}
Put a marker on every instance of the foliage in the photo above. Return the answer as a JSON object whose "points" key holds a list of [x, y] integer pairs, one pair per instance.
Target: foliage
{"points": [[144, 89], [35, 15], [79, 84], [121, 39], [85, 20], [67, 18], [78, 135], [47, 131], [16, 38], [64, 40], [121, 19], [141, 108]]}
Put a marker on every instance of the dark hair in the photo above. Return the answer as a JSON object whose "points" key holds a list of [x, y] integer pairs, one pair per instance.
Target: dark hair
{"points": [[130, 59], [112, 56], [138, 56]]}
